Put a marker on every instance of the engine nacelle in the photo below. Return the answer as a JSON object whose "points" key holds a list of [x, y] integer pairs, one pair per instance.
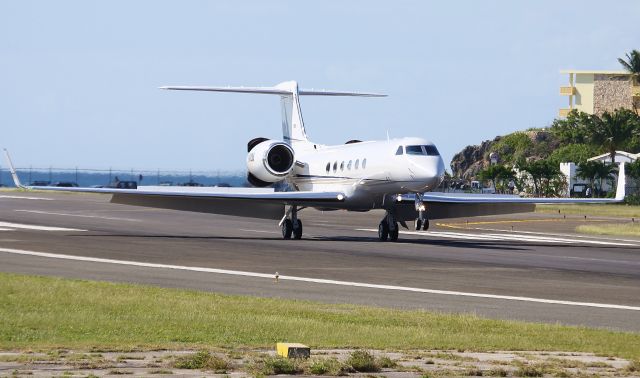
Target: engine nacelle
{"points": [[269, 161]]}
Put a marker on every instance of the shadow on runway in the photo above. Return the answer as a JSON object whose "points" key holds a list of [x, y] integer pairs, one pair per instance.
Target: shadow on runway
{"points": [[350, 239]]}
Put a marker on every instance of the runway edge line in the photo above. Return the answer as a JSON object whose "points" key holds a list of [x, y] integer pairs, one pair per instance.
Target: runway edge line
{"points": [[317, 280]]}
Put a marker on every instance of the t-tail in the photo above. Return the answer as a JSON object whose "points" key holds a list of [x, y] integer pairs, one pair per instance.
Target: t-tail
{"points": [[293, 130]]}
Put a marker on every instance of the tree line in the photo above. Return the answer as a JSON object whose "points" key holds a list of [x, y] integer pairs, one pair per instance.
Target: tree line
{"points": [[581, 136]]}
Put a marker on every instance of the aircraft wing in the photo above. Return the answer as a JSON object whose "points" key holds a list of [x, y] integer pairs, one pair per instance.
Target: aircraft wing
{"points": [[456, 205], [249, 202]]}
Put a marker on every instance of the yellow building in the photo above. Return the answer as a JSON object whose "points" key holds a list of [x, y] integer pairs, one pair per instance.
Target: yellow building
{"points": [[594, 92]]}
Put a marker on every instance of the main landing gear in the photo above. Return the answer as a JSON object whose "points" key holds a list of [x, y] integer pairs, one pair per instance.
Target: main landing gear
{"points": [[388, 228], [291, 225], [422, 223]]}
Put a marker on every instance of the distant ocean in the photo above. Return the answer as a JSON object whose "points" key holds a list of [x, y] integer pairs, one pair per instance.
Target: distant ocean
{"points": [[92, 177]]}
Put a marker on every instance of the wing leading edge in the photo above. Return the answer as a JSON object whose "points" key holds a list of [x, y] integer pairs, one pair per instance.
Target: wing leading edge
{"points": [[446, 205], [255, 203]]}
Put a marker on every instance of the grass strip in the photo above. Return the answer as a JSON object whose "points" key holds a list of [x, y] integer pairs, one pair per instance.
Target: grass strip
{"points": [[594, 209], [44, 313], [625, 229]]}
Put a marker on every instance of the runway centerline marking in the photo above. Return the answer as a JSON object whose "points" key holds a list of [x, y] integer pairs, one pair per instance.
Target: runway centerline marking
{"points": [[77, 215], [318, 280], [35, 227]]}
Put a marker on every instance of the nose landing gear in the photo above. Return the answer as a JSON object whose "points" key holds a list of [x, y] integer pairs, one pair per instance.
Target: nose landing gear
{"points": [[421, 222]]}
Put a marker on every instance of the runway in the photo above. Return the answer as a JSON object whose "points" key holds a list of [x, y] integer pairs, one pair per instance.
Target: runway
{"points": [[527, 267]]}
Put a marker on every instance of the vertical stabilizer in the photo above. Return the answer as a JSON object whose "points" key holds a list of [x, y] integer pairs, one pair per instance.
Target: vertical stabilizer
{"points": [[293, 130]]}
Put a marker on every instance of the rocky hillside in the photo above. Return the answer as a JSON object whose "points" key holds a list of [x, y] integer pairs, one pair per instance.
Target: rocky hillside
{"points": [[530, 145]]}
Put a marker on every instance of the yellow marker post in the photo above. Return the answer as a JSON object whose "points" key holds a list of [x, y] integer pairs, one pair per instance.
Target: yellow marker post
{"points": [[293, 350]]}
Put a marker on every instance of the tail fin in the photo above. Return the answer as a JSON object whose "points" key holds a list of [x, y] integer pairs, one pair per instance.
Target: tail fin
{"points": [[293, 130], [292, 123]]}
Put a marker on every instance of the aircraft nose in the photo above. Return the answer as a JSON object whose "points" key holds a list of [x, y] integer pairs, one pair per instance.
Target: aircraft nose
{"points": [[429, 171]]}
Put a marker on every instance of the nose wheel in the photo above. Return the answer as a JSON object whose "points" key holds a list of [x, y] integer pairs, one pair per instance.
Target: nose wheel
{"points": [[422, 223]]}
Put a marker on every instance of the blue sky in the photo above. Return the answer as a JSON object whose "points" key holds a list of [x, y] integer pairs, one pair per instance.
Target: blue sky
{"points": [[79, 79]]}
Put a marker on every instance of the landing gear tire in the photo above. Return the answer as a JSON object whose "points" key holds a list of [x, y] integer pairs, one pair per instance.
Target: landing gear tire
{"points": [[425, 225], [297, 229], [287, 229], [383, 231], [393, 235], [418, 224]]}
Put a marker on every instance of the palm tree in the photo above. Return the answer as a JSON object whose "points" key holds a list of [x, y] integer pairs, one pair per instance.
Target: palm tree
{"points": [[588, 171], [632, 66], [613, 130], [496, 174], [542, 172], [592, 170], [605, 172]]}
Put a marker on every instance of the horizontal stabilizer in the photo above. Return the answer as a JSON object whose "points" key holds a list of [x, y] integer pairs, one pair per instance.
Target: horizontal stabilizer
{"points": [[282, 90]]}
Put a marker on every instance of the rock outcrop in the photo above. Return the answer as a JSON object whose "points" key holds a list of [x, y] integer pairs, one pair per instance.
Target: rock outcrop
{"points": [[472, 159]]}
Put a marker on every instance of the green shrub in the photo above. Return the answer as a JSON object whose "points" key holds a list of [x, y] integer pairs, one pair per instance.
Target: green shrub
{"points": [[529, 371], [202, 360], [363, 361], [279, 365], [328, 366], [497, 372], [386, 363]]}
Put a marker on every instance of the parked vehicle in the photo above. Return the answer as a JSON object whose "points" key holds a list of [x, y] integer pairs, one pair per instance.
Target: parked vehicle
{"points": [[64, 184]]}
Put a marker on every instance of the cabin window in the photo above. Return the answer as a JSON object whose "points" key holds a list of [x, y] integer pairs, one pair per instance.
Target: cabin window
{"points": [[349, 164], [364, 163], [335, 167], [342, 166], [357, 163], [400, 151], [328, 167]]}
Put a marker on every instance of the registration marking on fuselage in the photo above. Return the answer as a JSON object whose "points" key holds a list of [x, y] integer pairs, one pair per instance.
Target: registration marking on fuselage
{"points": [[319, 280]]}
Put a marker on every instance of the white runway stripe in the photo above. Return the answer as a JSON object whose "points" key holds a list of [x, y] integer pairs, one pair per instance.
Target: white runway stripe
{"points": [[510, 237], [77, 215], [34, 227], [27, 198], [320, 280]]}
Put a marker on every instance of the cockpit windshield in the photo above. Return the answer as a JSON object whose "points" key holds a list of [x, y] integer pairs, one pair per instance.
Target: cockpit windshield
{"points": [[429, 150]]}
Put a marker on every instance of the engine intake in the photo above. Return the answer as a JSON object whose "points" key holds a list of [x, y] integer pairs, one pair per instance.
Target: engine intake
{"points": [[269, 161]]}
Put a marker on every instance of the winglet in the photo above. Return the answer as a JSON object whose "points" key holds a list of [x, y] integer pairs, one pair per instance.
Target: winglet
{"points": [[16, 180], [622, 181]]}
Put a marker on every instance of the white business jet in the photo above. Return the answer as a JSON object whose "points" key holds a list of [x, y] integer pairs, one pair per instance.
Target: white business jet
{"points": [[395, 175]]}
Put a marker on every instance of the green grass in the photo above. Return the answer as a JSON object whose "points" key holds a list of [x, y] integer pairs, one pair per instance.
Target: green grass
{"points": [[596, 209], [44, 313], [626, 229]]}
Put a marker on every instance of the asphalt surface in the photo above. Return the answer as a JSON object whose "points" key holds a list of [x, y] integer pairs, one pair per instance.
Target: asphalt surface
{"points": [[529, 267]]}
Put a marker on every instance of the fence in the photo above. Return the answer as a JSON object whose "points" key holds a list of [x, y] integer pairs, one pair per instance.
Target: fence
{"points": [[101, 177]]}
